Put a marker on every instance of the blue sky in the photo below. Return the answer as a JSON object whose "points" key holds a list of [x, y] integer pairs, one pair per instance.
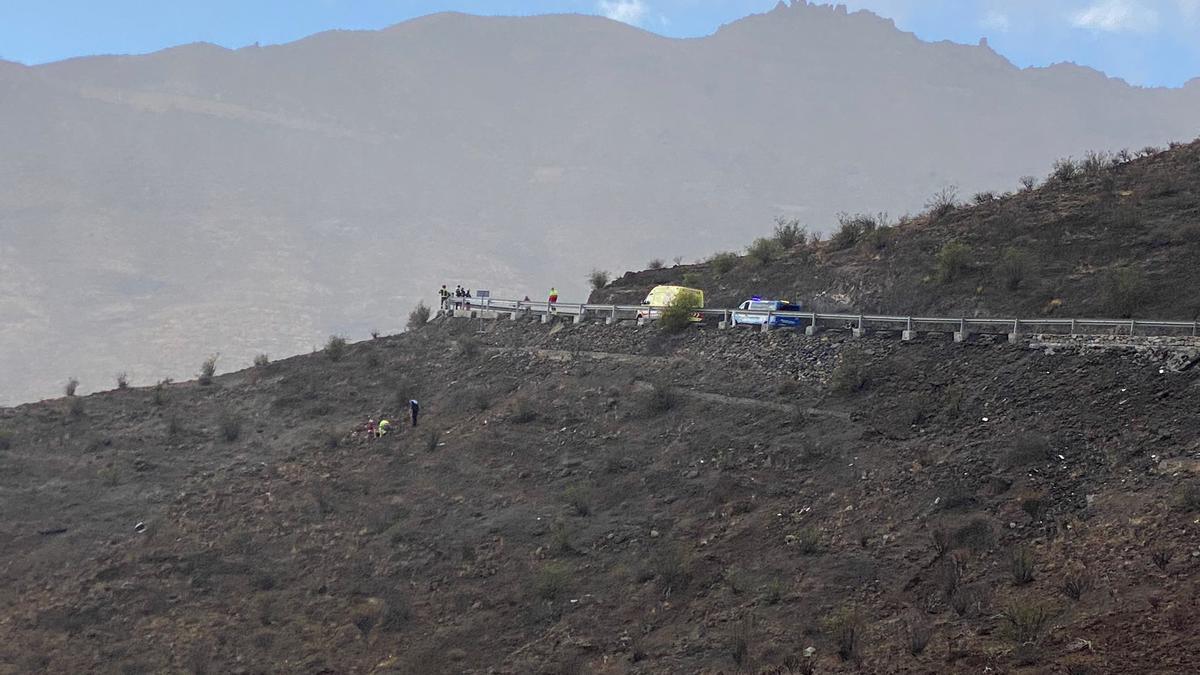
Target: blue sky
{"points": [[1147, 42]]}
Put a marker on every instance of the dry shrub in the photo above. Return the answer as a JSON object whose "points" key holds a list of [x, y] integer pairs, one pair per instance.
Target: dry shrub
{"points": [[70, 387], [419, 316], [660, 399], [724, 262], [846, 628], [580, 498], [919, 631], [598, 279], [208, 368], [229, 427], [1027, 623], [1021, 565], [976, 535], [551, 580], [1026, 448], [672, 568], [335, 348], [1076, 582]]}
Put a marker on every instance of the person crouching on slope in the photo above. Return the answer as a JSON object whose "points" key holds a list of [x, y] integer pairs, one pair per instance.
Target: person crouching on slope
{"points": [[384, 427]]}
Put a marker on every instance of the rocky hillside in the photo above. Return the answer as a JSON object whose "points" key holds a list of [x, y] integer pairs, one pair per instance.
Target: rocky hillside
{"points": [[1108, 236], [590, 499]]}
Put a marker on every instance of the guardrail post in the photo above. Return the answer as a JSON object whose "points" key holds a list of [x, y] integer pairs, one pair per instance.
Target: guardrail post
{"points": [[1015, 335], [961, 335], [1072, 327], [1195, 328], [811, 328], [908, 333], [766, 326], [724, 323], [860, 331], [612, 318], [1132, 327]]}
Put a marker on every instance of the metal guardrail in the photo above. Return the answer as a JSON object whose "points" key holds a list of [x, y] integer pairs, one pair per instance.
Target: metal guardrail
{"points": [[860, 323]]}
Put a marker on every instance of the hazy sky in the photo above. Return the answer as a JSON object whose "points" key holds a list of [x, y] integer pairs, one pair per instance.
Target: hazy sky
{"points": [[1149, 42]]}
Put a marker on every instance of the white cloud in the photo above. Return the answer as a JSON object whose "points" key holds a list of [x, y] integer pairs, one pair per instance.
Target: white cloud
{"points": [[1115, 16], [1190, 9], [625, 11], [996, 21]]}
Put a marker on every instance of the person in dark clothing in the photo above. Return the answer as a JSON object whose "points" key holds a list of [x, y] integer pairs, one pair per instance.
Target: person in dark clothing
{"points": [[415, 408]]}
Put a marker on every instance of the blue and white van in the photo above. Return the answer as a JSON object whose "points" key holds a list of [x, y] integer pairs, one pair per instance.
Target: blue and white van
{"points": [[744, 318]]}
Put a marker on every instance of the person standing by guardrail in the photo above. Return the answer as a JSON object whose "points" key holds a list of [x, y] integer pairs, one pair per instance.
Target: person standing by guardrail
{"points": [[553, 298], [444, 294]]}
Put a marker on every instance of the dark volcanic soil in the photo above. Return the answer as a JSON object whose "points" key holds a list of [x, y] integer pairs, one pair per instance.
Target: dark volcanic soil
{"points": [[610, 500]]}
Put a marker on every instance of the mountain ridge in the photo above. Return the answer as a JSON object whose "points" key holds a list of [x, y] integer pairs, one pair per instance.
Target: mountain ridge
{"points": [[281, 194]]}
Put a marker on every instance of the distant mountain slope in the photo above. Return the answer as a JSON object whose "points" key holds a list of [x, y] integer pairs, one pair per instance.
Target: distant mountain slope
{"points": [[156, 209], [1123, 240]]}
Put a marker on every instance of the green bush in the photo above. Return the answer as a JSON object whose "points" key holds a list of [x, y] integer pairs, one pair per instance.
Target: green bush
{"points": [[807, 541], [419, 316], [764, 251], [953, 261], [6, 439], [598, 279], [335, 348], [1014, 267], [552, 580], [1125, 291], [677, 315], [229, 427], [693, 279], [724, 262]]}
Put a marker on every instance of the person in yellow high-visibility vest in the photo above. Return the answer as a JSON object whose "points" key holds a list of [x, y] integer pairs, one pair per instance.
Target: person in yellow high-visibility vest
{"points": [[384, 427]]}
